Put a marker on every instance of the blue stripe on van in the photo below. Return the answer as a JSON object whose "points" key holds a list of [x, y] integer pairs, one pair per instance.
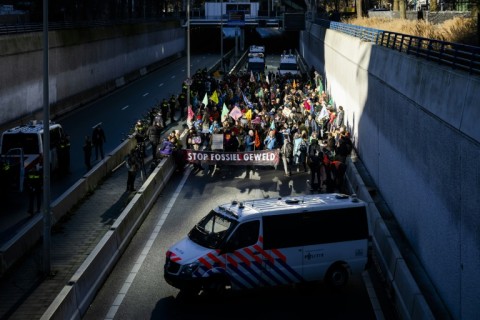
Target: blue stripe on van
{"points": [[242, 275], [293, 272], [255, 273], [269, 274], [279, 272]]}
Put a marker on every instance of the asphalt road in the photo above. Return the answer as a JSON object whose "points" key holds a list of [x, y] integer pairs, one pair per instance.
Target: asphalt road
{"points": [[117, 113]]}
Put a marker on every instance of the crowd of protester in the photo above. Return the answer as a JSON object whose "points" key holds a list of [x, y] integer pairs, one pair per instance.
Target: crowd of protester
{"points": [[253, 111]]}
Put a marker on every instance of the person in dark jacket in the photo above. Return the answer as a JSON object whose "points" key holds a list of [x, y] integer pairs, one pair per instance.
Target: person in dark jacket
{"points": [[34, 182], [98, 139], [153, 133], [87, 152]]}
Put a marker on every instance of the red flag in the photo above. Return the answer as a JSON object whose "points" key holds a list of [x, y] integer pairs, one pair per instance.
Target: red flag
{"points": [[257, 140], [191, 114]]}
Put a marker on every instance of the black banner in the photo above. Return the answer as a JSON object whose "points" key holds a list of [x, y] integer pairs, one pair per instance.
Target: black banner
{"points": [[257, 158]]}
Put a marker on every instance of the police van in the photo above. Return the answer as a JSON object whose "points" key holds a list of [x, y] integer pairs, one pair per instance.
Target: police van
{"points": [[270, 242], [21, 149]]}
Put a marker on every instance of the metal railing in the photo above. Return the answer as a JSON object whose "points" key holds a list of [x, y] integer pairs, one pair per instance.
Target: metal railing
{"points": [[455, 55]]}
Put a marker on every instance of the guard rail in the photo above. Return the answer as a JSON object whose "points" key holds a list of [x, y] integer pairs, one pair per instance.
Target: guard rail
{"points": [[455, 55]]}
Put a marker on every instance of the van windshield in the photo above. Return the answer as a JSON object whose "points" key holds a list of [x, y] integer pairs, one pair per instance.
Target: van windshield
{"points": [[212, 230]]}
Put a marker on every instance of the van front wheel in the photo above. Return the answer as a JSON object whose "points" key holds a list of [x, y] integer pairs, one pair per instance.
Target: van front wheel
{"points": [[337, 276], [216, 286]]}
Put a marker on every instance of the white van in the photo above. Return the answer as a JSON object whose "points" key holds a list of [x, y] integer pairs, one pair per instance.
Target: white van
{"points": [[271, 242], [21, 149]]}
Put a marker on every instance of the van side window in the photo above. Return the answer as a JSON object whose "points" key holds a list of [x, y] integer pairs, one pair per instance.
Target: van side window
{"points": [[337, 225], [282, 231], [245, 235]]}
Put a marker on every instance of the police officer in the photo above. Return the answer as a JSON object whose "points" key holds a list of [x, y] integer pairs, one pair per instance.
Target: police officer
{"points": [[173, 106], [153, 134], [64, 155], [34, 183], [182, 104], [164, 107], [141, 136]]}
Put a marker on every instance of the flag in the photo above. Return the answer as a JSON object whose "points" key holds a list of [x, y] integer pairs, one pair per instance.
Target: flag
{"points": [[190, 113], [320, 87], [214, 97], [257, 140], [252, 78], [224, 113], [268, 81], [248, 114], [247, 102], [257, 120], [205, 100], [306, 105], [236, 113]]}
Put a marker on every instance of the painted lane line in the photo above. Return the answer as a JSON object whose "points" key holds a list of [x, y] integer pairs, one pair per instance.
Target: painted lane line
{"points": [[145, 94], [98, 124], [125, 107], [146, 249], [161, 84]]}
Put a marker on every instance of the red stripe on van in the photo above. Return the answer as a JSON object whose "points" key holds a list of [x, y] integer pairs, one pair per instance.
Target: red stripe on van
{"points": [[216, 260], [264, 253], [242, 257], [279, 254], [232, 261], [205, 263], [253, 255]]}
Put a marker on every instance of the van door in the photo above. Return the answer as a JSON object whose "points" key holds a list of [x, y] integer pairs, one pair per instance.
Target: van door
{"points": [[283, 251], [242, 260]]}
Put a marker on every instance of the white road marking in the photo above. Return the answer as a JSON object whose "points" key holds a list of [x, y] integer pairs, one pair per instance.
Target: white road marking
{"points": [[138, 264], [173, 77], [125, 107], [161, 84], [98, 124], [146, 94]]}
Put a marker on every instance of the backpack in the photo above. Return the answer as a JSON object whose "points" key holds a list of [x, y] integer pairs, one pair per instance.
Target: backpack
{"points": [[302, 147]]}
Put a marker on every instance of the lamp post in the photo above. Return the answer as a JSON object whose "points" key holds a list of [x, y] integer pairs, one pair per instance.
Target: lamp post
{"points": [[188, 52], [46, 147], [221, 36]]}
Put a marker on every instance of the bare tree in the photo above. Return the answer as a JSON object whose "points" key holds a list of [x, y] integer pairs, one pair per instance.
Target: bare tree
{"points": [[402, 9], [396, 6], [359, 4]]}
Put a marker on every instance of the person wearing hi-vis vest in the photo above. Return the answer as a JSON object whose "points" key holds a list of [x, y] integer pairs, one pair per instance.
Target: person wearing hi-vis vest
{"points": [[34, 182]]}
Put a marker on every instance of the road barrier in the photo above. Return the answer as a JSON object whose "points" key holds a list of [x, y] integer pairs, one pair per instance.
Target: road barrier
{"points": [[12, 251]]}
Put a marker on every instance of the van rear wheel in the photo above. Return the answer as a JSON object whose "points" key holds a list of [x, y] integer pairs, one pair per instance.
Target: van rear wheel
{"points": [[337, 276]]}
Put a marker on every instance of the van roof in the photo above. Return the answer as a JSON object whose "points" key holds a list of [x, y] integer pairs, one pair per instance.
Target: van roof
{"points": [[241, 210], [34, 127]]}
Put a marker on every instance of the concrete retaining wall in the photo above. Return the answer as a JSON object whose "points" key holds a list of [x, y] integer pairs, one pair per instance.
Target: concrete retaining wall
{"points": [[414, 125], [83, 65]]}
